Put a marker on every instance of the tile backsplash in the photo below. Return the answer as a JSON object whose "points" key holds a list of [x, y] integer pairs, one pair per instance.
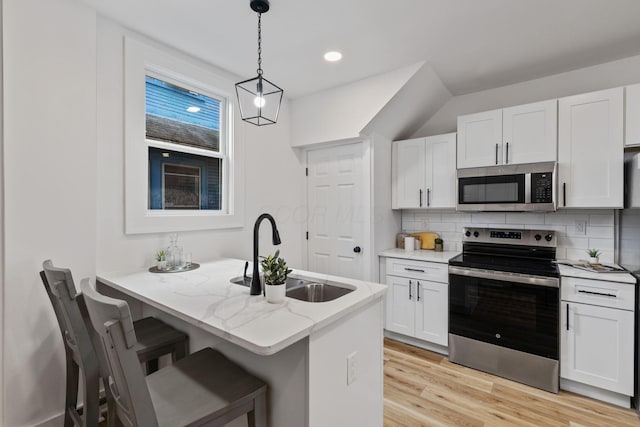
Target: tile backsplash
{"points": [[577, 230]]}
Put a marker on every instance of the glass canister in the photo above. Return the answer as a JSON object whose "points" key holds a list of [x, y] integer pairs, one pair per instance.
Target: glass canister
{"points": [[400, 240]]}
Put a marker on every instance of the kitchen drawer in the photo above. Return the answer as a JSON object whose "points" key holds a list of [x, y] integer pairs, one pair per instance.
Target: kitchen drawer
{"points": [[598, 292], [433, 271]]}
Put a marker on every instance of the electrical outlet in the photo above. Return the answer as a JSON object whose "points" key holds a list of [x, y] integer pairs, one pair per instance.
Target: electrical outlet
{"points": [[580, 227], [351, 367]]}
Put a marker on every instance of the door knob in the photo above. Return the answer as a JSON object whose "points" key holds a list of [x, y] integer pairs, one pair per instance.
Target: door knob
{"points": [[357, 249]]}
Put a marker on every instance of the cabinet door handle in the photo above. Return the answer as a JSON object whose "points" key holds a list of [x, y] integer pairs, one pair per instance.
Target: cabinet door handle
{"points": [[564, 193], [507, 156], [414, 269], [597, 293], [418, 290], [428, 197], [567, 316], [409, 290], [496, 154], [420, 196]]}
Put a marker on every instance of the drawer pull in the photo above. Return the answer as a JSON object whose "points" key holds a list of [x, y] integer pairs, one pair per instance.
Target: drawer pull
{"points": [[580, 291], [417, 270]]}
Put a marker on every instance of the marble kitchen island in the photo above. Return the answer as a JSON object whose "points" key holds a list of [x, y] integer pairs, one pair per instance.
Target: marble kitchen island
{"points": [[321, 361]]}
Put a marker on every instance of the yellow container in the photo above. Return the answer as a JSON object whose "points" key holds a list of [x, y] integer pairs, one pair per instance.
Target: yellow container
{"points": [[427, 239]]}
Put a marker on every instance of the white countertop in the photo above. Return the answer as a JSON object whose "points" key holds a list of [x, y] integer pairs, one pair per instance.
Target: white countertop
{"points": [[420, 255], [205, 298], [568, 271]]}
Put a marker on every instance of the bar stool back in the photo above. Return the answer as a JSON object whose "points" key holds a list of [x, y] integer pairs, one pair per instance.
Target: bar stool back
{"points": [[205, 388]]}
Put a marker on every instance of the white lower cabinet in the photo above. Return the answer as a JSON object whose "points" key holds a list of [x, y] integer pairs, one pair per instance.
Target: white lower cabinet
{"points": [[597, 334], [417, 307]]}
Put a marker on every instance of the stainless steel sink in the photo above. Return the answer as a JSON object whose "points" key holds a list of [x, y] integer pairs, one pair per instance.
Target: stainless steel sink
{"points": [[292, 282], [317, 292], [304, 289]]}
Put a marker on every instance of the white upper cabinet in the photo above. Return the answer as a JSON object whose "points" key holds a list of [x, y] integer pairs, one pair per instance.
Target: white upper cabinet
{"points": [[530, 133], [409, 170], [632, 126], [424, 172], [480, 139], [441, 171], [590, 150], [515, 135]]}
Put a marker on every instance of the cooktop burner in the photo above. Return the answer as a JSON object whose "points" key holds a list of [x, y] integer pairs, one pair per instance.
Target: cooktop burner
{"points": [[514, 251]]}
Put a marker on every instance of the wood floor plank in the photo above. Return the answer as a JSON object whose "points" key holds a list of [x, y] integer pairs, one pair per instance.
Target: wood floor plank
{"points": [[424, 388]]}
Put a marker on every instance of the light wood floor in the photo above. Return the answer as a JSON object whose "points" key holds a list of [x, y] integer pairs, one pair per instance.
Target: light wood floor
{"points": [[422, 388]]}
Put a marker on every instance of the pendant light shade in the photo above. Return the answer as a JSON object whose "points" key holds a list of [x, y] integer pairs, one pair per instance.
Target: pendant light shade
{"points": [[259, 99]]}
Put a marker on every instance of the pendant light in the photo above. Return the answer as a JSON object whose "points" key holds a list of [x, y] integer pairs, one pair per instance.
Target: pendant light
{"points": [[258, 98]]}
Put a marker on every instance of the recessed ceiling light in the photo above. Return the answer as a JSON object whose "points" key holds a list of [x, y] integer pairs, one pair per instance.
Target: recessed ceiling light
{"points": [[332, 56], [193, 109]]}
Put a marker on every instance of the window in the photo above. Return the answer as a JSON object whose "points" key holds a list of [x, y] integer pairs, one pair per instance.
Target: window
{"points": [[183, 158], [183, 129]]}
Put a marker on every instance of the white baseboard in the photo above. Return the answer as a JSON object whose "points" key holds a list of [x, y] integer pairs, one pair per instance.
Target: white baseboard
{"points": [[596, 393], [417, 343]]}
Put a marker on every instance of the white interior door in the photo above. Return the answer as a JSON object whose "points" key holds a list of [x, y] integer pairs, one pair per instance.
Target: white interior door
{"points": [[337, 211]]}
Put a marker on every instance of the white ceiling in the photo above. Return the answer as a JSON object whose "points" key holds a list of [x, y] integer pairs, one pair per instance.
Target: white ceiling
{"points": [[471, 44]]}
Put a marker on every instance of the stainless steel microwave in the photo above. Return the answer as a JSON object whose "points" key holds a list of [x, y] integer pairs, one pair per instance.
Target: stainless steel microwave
{"points": [[508, 188]]}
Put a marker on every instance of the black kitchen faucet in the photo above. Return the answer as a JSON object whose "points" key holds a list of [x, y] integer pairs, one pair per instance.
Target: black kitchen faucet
{"points": [[256, 286]]}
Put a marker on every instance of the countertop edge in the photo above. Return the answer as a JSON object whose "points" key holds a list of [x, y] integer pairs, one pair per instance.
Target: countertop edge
{"points": [[276, 345]]}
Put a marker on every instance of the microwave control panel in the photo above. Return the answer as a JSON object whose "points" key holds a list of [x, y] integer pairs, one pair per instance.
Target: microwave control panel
{"points": [[542, 187]]}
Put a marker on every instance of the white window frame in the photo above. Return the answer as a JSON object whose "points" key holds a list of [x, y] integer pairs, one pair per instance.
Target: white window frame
{"points": [[141, 60]]}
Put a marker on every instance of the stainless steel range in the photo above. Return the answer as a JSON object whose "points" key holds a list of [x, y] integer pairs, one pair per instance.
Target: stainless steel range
{"points": [[504, 305]]}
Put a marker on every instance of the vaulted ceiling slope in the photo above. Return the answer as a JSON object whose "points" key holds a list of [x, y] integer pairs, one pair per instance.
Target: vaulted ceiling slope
{"points": [[470, 44]]}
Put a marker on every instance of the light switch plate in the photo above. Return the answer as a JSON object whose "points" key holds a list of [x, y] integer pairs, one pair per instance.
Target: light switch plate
{"points": [[580, 227]]}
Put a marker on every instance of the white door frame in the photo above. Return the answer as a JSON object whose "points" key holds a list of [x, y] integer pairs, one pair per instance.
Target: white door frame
{"points": [[368, 257]]}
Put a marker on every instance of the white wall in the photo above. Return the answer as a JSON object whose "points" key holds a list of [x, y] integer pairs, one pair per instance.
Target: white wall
{"points": [[341, 113], [385, 223], [571, 245], [274, 179], [50, 182], [421, 96], [64, 186], [603, 76], [1, 225]]}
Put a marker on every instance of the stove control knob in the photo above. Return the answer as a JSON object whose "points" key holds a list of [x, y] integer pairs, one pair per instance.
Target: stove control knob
{"points": [[548, 237], [476, 234], [468, 233], [538, 237]]}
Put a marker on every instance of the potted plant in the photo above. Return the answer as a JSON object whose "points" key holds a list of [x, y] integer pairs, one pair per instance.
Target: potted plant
{"points": [[275, 272], [161, 260], [594, 256], [438, 244]]}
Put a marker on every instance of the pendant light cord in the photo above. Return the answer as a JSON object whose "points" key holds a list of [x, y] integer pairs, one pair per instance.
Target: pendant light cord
{"points": [[259, 44]]}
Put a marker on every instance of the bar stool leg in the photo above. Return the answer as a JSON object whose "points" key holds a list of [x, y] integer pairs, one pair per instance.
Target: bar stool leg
{"points": [[71, 395]]}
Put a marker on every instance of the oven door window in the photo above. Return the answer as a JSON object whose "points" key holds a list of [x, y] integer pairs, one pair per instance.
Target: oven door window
{"points": [[491, 189], [517, 316]]}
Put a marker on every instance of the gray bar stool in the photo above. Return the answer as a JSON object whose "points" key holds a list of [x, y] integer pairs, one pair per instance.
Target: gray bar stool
{"points": [[204, 388], [83, 347]]}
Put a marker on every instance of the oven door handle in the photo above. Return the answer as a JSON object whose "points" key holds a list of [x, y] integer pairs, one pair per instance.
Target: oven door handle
{"points": [[550, 282]]}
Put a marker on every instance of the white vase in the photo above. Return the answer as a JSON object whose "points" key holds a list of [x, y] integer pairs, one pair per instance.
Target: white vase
{"points": [[594, 260], [161, 265], [275, 293]]}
